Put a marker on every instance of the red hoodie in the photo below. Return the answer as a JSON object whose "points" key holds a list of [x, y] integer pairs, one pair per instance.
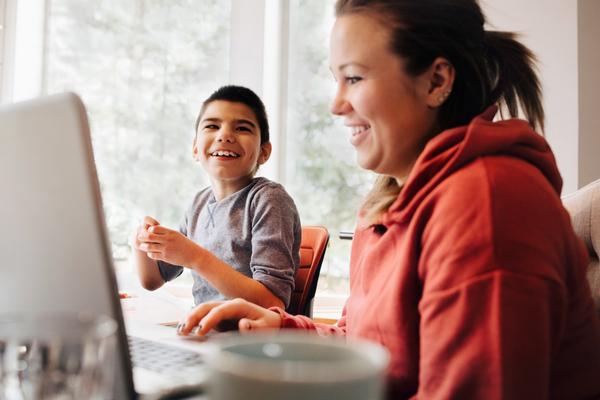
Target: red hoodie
{"points": [[475, 280]]}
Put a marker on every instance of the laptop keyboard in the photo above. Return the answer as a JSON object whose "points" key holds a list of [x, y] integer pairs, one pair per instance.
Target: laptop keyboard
{"points": [[159, 357]]}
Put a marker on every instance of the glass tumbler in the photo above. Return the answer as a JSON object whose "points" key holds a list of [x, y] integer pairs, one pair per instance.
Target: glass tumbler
{"points": [[56, 356]]}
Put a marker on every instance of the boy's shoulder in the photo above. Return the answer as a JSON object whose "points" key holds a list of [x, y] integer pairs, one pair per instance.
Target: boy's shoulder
{"points": [[263, 187], [203, 195], [265, 184], [269, 194]]}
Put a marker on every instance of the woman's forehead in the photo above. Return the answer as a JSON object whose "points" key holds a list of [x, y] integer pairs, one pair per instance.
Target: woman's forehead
{"points": [[357, 35]]}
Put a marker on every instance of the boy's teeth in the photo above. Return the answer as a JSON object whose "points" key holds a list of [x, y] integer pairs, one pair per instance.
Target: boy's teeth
{"points": [[222, 153]]}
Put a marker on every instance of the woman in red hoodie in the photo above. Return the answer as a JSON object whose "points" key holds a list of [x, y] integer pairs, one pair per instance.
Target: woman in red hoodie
{"points": [[464, 263]]}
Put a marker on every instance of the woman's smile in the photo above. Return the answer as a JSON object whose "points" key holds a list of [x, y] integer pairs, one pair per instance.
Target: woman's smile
{"points": [[359, 134]]}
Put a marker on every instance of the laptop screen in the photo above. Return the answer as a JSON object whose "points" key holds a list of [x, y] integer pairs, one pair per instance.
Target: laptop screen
{"points": [[54, 244]]}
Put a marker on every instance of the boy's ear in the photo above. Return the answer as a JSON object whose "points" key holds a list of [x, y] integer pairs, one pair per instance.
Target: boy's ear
{"points": [[195, 149], [265, 153]]}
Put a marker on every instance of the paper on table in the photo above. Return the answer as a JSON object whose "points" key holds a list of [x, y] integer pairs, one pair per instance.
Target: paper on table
{"points": [[154, 308]]}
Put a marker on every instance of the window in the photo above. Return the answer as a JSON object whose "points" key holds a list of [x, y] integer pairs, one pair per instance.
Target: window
{"points": [[321, 173], [142, 68]]}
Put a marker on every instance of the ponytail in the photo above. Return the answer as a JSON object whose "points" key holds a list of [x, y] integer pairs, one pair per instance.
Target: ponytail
{"points": [[513, 77]]}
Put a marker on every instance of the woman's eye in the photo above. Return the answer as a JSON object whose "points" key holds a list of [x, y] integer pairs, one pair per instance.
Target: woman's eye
{"points": [[353, 79]]}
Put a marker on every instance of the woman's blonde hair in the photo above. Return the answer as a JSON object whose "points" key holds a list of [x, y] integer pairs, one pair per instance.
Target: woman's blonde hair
{"points": [[384, 192]]}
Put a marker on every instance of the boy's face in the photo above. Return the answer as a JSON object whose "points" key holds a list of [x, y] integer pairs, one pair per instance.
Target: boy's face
{"points": [[228, 145]]}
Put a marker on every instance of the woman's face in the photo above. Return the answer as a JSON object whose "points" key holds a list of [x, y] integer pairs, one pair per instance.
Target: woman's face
{"points": [[385, 109]]}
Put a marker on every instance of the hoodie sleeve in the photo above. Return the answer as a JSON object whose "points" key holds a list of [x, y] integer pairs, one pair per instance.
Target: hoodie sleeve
{"points": [[289, 321]]}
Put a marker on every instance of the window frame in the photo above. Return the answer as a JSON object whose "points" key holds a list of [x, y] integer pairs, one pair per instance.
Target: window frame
{"points": [[258, 54]]}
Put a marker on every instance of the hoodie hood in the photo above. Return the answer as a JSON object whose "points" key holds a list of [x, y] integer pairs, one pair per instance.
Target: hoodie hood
{"points": [[456, 147]]}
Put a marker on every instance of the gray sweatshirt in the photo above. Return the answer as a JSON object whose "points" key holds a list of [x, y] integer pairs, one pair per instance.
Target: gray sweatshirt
{"points": [[255, 230]]}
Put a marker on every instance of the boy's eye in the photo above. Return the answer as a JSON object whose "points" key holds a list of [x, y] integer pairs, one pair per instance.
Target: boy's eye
{"points": [[244, 128], [353, 79], [210, 127]]}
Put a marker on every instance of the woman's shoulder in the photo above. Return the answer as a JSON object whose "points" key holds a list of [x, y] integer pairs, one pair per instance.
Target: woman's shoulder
{"points": [[500, 211], [492, 200], [496, 180], [500, 200]]}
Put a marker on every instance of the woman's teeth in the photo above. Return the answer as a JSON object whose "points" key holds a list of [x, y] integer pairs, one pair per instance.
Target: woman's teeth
{"points": [[358, 129]]}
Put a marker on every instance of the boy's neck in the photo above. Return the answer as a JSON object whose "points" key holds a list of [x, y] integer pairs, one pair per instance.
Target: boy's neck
{"points": [[225, 188]]}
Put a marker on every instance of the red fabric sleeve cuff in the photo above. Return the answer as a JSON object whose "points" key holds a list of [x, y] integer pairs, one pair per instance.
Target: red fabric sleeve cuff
{"points": [[287, 321]]}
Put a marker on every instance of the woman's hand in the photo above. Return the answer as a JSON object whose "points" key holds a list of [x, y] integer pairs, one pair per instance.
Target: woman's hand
{"points": [[248, 315]]}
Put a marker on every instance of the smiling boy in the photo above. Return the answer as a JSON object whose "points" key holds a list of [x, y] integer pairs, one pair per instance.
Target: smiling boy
{"points": [[241, 236]]}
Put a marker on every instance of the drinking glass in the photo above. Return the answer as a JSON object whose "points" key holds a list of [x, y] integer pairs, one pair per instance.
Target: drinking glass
{"points": [[56, 356]]}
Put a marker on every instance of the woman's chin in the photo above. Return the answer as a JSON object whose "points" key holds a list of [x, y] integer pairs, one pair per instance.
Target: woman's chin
{"points": [[366, 162]]}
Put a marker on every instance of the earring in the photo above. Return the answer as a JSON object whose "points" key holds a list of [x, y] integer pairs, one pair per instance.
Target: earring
{"points": [[443, 97]]}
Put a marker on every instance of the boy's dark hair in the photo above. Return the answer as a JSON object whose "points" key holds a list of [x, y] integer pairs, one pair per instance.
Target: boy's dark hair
{"points": [[240, 94]]}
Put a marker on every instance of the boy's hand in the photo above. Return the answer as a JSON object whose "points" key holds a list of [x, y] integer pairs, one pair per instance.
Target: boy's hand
{"points": [[141, 231], [249, 317], [167, 245]]}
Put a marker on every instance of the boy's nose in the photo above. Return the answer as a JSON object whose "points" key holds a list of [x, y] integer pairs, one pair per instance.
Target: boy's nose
{"points": [[226, 135]]}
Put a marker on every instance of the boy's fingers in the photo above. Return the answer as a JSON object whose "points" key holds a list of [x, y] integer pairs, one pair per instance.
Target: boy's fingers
{"points": [[159, 230], [151, 238], [151, 247], [143, 236], [149, 221], [154, 255]]}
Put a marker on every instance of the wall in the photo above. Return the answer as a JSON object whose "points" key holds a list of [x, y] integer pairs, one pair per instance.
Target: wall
{"points": [[549, 28], [2, 13], [589, 90]]}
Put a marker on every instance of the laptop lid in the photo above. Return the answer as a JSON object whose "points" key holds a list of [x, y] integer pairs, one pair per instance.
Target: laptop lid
{"points": [[55, 252]]}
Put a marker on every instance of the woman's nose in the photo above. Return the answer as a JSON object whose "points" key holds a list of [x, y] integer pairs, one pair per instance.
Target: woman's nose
{"points": [[339, 105]]}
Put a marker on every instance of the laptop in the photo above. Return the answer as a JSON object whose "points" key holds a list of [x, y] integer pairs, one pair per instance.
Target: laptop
{"points": [[54, 244]]}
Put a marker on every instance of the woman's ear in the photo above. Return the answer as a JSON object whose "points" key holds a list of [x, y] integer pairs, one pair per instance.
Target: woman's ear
{"points": [[265, 153], [440, 76]]}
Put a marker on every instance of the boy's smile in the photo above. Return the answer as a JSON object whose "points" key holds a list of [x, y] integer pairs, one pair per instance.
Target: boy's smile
{"points": [[227, 144], [224, 153]]}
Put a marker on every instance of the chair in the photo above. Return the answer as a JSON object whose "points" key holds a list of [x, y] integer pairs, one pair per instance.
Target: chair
{"points": [[584, 207], [312, 253]]}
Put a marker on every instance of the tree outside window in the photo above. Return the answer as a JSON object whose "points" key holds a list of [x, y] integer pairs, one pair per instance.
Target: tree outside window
{"points": [[321, 173], [142, 68]]}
